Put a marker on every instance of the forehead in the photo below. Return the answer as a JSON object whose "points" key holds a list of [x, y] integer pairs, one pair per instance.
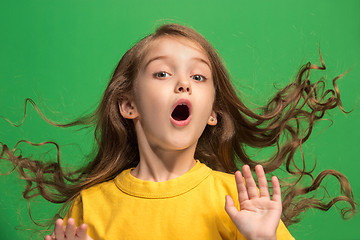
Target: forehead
{"points": [[170, 45]]}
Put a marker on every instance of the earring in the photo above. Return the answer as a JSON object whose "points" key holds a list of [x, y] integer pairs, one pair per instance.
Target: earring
{"points": [[130, 113], [212, 119]]}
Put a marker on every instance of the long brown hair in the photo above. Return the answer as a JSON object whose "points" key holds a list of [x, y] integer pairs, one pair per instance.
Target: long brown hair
{"points": [[280, 124]]}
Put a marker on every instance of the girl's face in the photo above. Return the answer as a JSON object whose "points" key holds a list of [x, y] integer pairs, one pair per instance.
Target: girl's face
{"points": [[173, 94]]}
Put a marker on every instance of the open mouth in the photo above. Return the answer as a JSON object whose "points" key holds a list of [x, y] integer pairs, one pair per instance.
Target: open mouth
{"points": [[181, 112]]}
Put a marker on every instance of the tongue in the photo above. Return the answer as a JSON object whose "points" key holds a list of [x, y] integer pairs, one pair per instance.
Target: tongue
{"points": [[180, 113]]}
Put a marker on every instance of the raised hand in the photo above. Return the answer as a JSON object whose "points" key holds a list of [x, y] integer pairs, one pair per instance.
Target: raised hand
{"points": [[259, 216], [68, 232]]}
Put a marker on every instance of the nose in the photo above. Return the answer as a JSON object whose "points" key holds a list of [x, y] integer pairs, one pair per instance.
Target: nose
{"points": [[183, 86]]}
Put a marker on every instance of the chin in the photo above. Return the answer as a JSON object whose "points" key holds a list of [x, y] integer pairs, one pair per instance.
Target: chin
{"points": [[182, 145]]}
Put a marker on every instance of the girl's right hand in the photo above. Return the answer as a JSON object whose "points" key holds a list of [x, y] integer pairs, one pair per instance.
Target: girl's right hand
{"points": [[68, 232]]}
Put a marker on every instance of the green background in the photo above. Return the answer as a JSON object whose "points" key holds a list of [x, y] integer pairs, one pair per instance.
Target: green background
{"points": [[61, 54]]}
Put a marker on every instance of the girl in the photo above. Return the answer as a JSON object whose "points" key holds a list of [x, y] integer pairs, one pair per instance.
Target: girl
{"points": [[170, 129]]}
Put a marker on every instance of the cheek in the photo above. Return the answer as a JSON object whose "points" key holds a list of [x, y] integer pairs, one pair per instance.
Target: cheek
{"points": [[151, 99], [207, 101]]}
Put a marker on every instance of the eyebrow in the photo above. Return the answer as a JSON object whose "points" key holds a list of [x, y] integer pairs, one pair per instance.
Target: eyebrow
{"points": [[165, 57]]}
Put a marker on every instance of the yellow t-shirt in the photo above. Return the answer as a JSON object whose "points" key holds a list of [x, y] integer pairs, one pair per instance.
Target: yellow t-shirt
{"points": [[191, 206]]}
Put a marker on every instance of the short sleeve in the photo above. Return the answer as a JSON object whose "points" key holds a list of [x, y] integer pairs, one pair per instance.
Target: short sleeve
{"points": [[75, 211], [282, 233]]}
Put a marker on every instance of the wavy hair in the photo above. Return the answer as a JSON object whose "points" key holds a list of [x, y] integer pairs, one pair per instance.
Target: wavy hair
{"points": [[223, 147]]}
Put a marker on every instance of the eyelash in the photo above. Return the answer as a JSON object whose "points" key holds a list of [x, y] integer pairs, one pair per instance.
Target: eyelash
{"points": [[204, 78], [156, 75]]}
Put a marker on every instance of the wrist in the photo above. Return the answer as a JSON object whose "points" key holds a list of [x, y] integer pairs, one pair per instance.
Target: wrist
{"points": [[262, 238]]}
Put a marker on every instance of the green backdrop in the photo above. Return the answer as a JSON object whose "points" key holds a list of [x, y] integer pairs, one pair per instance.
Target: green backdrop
{"points": [[61, 54]]}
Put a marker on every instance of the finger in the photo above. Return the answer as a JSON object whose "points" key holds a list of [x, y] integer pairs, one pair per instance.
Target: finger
{"points": [[252, 190], [59, 230], [70, 228], [48, 237], [263, 184], [230, 207], [242, 191], [276, 189], [81, 232]]}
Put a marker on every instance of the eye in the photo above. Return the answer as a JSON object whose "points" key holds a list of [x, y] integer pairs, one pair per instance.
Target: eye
{"points": [[199, 78], [161, 74]]}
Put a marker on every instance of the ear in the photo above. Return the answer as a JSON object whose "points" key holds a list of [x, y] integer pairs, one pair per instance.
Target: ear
{"points": [[212, 119], [127, 108]]}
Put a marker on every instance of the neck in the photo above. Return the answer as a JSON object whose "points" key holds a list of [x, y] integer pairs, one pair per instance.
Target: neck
{"points": [[158, 165]]}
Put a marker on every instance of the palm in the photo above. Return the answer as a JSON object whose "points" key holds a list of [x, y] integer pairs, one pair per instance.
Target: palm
{"points": [[259, 216], [68, 232]]}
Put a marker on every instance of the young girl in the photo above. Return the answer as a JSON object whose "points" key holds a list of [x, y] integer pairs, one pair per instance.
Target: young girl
{"points": [[170, 130]]}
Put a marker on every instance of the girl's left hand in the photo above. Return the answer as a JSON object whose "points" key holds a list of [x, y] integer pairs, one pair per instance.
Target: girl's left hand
{"points": [[259, 216], [69, 231]]}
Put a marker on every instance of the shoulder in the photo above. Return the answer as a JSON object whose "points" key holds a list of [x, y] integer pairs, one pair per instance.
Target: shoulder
{"points": [[223, 178], [88, 198], [224, 182], [99, 191]]}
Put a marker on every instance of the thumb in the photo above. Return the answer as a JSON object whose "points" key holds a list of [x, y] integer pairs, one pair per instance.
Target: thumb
{"points": [[230, 208]]}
